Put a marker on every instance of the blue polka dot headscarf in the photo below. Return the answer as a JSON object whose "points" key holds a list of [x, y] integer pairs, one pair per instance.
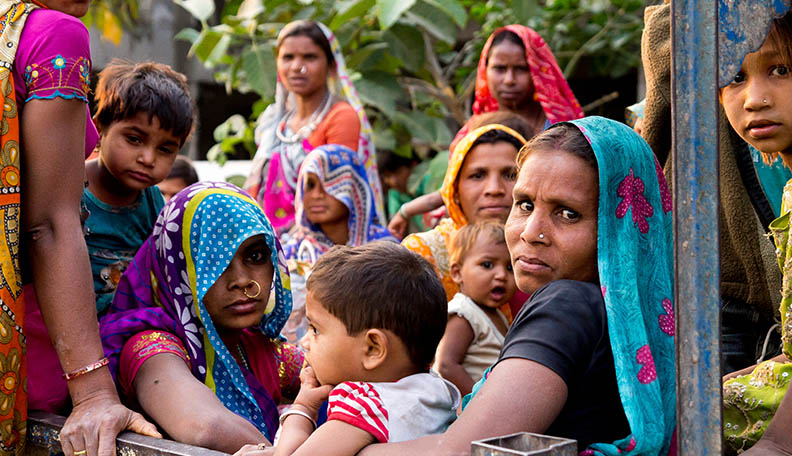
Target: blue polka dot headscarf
{"points": [[194, 240]]}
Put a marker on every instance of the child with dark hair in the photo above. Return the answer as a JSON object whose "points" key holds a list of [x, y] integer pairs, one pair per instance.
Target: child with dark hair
{"points": [[482, 268], [376, 314], [182, 175], [144, 115]]}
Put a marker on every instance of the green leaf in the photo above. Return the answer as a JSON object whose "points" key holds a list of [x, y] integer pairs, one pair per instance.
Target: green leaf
{"points": [[407, 44], [200, 9], [380, 90], [205, 43], [219, 51], [433, 21], [350, 10], [455, 10], [187, 34], [524, 10], [425, 128], [389, 11], [260, 71]]}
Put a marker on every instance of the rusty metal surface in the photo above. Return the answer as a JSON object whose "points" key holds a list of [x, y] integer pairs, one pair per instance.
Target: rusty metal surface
{"points": [[524, 444], [742, 28], [44, 428], [697, 267]]}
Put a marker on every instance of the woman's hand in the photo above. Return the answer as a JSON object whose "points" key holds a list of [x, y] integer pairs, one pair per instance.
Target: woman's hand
{"points": [[312, 395], [95, 422], [398, 226]]}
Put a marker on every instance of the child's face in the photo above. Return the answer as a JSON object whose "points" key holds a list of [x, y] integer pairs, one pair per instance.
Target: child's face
{"points": [[319, 206], [757, 102], [171, 186], [136, 152], [486, 274], [226, 301], [398, 179], [334, 355]]}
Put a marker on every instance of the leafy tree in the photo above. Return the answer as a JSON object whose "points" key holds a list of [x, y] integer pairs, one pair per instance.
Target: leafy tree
{"points": [[413, 61], [111, 17]]}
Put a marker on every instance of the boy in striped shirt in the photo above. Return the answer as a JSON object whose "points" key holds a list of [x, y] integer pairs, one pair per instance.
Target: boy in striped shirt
{"points": [[376, 314]]}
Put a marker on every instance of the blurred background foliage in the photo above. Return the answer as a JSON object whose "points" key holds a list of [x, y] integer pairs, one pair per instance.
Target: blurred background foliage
{"points": [[413, 62]]}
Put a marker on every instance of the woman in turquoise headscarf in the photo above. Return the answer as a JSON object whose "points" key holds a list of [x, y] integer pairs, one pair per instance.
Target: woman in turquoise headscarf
{"points": [[193, 331], [590, 238]]}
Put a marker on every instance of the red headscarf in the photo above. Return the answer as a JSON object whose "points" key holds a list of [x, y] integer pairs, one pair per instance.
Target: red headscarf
{"points": [[550, 88]]}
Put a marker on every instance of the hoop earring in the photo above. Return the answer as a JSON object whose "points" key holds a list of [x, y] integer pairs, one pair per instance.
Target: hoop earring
{"points": [[258, 292]]}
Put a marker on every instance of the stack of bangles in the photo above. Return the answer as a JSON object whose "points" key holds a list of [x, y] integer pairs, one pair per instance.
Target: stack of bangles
{"points": [[84, 370]]}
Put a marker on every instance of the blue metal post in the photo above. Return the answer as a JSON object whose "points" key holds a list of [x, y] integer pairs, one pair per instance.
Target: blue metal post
{"points": [[697, 268]]}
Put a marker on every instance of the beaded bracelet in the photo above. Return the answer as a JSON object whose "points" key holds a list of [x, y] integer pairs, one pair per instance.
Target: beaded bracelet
{"points": [[84, 370], [292, 411]]}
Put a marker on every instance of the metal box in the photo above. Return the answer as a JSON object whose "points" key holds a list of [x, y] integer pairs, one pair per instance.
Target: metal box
{"points": [[524, 444]]}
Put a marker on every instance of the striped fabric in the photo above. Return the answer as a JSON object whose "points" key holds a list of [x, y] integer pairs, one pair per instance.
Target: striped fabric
{"points": [[359, 404]]}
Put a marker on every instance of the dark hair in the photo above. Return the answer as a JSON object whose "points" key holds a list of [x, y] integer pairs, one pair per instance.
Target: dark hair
{"points": [[184, 170], [390, 162], [126, 89], [561, 136], [496, 136], [506, 35], [311, 30], [385, 286], [781, 36], [509, 119], [465, 238]]}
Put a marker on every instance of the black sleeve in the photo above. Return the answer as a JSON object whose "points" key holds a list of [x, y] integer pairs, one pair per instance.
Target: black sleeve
{"points": [[560, 327]]}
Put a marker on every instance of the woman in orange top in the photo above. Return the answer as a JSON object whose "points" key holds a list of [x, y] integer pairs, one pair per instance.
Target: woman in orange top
{"points": [[315, 104]]}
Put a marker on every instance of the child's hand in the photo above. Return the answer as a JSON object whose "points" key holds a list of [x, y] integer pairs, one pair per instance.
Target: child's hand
{"points": [[398, 226], [255, 450], [312, 394]]}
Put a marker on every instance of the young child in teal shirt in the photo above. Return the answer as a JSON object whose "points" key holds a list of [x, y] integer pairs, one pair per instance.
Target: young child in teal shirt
{"points": [[144, 115]]}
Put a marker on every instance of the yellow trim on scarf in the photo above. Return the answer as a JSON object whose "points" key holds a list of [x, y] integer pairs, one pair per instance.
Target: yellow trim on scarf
{"points": [[189, 213]]}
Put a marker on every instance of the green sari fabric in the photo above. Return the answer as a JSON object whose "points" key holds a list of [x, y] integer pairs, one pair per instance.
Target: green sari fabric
{"points": [[750, 401]]}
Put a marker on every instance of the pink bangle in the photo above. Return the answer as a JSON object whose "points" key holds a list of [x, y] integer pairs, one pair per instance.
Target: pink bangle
{"points": [[84, 370]]}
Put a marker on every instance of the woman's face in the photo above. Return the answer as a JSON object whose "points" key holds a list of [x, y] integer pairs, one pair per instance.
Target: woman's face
{"points": [[302, 66], [76, 8], [508, 76], [319, 206], [757, 101], [485, 182], [234, 301], [552, 229]]}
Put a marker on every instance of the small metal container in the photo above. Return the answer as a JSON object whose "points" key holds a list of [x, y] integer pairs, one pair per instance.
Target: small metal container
{"points": [[524, 444]]}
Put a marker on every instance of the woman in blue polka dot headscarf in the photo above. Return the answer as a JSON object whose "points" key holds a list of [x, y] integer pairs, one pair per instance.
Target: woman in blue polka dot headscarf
{"points": [[211, 287]]}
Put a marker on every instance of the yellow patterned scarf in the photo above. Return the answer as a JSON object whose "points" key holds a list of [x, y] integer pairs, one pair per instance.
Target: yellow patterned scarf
{"points": [[13, 397]]}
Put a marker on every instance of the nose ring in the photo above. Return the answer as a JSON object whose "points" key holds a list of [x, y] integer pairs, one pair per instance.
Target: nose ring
{"points": [[258, 291], [541, 236], [303, 70], [764, 100]]}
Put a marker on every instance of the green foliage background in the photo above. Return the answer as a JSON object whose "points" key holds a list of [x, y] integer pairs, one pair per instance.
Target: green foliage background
{"points": [[413, 61]]}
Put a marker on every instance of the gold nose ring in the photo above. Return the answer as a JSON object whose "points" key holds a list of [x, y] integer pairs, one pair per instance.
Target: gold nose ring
{"points": [[258, 292]]}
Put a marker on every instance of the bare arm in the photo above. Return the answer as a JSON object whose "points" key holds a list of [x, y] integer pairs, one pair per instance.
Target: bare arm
{"points": [[187, 410], [421, 205], [53, 144], [451, 353], [502, 407]]}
